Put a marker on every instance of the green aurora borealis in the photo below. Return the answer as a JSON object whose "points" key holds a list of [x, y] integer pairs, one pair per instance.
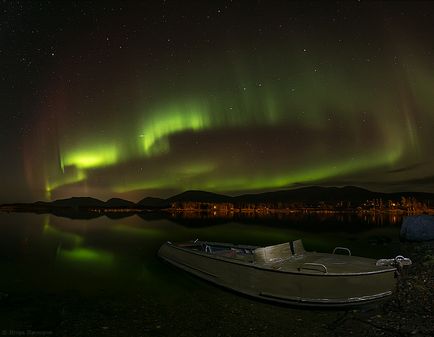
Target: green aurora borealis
{"points": [[243, 104]]}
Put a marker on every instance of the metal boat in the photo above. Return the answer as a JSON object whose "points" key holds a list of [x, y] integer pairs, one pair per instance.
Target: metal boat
{"points": [[287, 273]]}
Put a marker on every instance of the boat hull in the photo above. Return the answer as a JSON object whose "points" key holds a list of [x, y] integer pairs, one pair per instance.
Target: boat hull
{"points": [[296, 288]]}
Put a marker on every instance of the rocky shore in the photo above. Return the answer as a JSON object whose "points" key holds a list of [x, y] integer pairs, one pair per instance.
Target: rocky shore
{"points": [[410, 311]]}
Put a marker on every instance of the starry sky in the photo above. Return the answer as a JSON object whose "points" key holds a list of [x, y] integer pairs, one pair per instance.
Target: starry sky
{"points": [[151, 98]]}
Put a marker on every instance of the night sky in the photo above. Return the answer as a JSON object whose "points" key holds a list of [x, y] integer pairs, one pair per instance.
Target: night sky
{"points": [[135, 99]]}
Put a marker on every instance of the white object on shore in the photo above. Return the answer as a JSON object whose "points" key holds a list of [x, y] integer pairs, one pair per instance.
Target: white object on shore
{"points": [[418, 228], [397, 261]]}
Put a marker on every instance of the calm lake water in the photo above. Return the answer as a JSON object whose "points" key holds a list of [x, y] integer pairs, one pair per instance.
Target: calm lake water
{"points": [[64, 277]]}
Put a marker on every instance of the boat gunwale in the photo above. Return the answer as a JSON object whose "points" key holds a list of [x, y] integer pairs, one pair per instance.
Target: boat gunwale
{"points": [[325, 301], [263, 267]]}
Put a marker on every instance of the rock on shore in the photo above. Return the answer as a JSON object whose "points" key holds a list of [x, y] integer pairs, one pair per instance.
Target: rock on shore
{"points": [[418, 228]]}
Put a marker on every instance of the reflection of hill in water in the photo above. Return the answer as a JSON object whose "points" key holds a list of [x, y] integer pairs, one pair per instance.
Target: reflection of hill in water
{"points": [[152, 216], [81, 214], [189, 219], [118, 215], [319, 222], [74, 214]]}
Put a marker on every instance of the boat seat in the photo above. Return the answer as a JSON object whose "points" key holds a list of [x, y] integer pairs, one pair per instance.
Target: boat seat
{"points": [[298, 247], [272, 253]]}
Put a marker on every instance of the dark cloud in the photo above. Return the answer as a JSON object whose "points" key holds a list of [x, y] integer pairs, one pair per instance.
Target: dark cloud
{"points": [[407, 168]]}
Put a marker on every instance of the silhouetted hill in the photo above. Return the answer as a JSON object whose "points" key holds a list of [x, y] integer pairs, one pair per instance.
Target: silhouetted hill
{"points": [[119, 203], [313, 194], [199, 196], [78, 202], [421, 196], [310, 194], [152, 203]]}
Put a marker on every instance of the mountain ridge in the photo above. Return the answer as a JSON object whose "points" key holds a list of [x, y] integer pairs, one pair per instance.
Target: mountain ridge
{"points": [[303, 194]]}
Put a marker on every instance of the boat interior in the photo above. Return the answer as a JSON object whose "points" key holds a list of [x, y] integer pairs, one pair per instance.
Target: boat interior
{"points": [[290, 256], [247, 253]]}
